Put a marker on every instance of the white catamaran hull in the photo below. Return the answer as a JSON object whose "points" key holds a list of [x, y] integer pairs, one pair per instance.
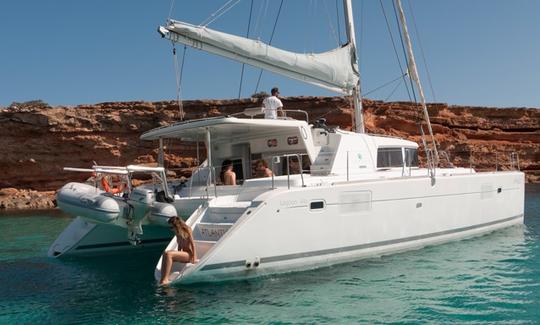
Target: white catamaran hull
{"points": [[82, 237], [288, 230]]}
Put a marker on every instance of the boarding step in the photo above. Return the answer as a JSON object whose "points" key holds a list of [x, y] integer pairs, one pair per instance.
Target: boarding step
{"points": [[211, 231], [203, 246], [223, 214]]}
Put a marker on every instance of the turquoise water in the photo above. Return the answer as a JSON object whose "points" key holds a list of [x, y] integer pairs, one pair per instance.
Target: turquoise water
{"points": [[494, 278]]}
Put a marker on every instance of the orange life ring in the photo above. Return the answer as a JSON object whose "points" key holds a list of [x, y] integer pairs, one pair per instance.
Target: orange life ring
{"points": [[107, 187]]}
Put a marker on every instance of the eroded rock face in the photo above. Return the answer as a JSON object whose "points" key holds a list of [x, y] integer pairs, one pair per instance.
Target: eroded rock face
{"points": [[38, 142], [15, 199]]}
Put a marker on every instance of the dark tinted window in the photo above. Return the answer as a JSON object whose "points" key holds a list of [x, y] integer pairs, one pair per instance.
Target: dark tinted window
{"points": [[238, 169], [389, 157], [411, 157], [316, 205]]}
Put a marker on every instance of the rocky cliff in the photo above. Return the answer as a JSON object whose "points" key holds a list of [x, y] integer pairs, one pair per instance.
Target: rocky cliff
{"points": [[37, 142]]}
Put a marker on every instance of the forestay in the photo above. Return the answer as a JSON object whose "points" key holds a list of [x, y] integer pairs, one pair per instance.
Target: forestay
{"points": [[336, 70]]}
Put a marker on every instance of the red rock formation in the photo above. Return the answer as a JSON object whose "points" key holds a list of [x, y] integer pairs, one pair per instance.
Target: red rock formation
{"points": [[38, 142]]}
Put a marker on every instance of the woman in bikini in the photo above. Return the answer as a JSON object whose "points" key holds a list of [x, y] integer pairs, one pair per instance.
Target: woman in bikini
{"points": [[185, 252], [227, 175]]}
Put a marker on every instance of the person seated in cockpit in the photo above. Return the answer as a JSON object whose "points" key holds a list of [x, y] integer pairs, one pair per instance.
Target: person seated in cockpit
{"points": [[262, 170], [294, 166], [227, 175]]}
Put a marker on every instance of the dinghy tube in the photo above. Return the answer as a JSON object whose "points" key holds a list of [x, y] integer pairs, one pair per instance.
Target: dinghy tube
{"points": [[88, 202]]}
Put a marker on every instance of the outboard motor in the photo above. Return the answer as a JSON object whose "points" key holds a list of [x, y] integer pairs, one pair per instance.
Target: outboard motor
{"points": [[161, 212]]}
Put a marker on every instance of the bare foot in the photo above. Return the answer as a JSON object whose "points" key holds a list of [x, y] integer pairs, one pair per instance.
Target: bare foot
{"points": [[164, 282]]}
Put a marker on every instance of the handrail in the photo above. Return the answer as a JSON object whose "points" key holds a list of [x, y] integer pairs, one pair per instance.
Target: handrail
{"points": [[445, 155], [256, 111], [287, 156], [210, 180], [514, 158]]}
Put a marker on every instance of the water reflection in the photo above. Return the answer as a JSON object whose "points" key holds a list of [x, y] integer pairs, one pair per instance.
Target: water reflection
{"points": [[493, 278]]}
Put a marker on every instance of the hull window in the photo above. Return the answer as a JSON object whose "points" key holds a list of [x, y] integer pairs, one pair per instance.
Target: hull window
{"points": [[316, 205]]}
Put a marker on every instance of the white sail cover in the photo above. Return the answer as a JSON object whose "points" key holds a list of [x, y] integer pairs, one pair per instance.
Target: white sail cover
{"points": [[336, 70]]}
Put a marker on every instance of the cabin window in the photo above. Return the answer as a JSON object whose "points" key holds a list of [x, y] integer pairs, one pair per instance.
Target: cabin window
{"points": [[389, 157], [316, 205], [238, 169], [411, 157]]}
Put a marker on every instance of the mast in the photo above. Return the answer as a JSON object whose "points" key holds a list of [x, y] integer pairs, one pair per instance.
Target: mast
{"points": [[413, 72], [351, 39]]}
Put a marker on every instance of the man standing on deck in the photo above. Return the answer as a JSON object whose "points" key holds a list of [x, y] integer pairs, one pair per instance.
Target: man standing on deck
{"points": [[272, 104]]}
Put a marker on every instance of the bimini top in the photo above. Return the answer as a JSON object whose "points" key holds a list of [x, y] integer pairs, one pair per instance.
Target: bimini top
{"points": [[228, 128]]}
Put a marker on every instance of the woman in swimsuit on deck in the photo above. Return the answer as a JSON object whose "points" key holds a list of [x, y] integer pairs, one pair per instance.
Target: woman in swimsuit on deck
{"points": [[185, 252]]}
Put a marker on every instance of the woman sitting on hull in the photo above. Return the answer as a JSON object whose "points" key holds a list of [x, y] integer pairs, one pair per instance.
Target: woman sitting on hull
{"points": [[184, 254]]}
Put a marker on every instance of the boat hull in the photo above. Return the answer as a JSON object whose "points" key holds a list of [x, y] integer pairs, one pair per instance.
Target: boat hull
{"points": [[290, 231], [82, 237]]}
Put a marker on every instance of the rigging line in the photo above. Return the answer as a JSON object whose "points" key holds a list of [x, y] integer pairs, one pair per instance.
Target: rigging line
{"points": [[422, 52], [393, 91], [179, 72], [170, 10], [218, 13], [433, 146], [308, 42], [361, 42], [404, 54], [384, 85], [338, 22], [269, 43], [395, 49], [334, 33], [243, 64], [262, 8]]}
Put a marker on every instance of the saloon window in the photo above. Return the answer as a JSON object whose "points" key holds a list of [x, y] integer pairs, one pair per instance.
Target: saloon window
{"points": [[389, 157], [411, 157]]}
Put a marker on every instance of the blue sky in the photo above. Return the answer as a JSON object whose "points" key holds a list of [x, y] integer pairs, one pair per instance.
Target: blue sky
{"points": [[66, 52]]}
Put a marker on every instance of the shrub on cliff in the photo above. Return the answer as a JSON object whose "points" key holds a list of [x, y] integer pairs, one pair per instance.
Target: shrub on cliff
{"points": [[260, 95], [37, 103]]}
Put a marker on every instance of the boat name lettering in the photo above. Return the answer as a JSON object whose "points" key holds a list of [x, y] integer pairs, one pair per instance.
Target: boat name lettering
{"points": [[213, 232], [290, 203]]}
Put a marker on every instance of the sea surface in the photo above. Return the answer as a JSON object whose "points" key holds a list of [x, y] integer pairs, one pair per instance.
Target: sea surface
{"points": [[490, 279]]}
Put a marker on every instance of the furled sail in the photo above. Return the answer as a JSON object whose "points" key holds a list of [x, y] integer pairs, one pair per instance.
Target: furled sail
{"points": [[336, 70]]}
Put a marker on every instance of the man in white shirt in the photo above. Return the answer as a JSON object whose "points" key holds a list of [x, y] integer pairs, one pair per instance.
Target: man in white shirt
{"points": [[272, 104]]}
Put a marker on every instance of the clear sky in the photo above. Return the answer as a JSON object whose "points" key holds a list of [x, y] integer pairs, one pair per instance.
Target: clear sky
{"points": [[67, 52]]}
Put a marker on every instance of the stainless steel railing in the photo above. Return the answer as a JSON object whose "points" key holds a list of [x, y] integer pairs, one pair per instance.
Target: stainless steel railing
{"points": [[256, 111], [276, 159]]}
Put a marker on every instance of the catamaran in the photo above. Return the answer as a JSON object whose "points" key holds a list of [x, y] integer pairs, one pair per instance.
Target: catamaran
{"points": [[355, 195]]}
